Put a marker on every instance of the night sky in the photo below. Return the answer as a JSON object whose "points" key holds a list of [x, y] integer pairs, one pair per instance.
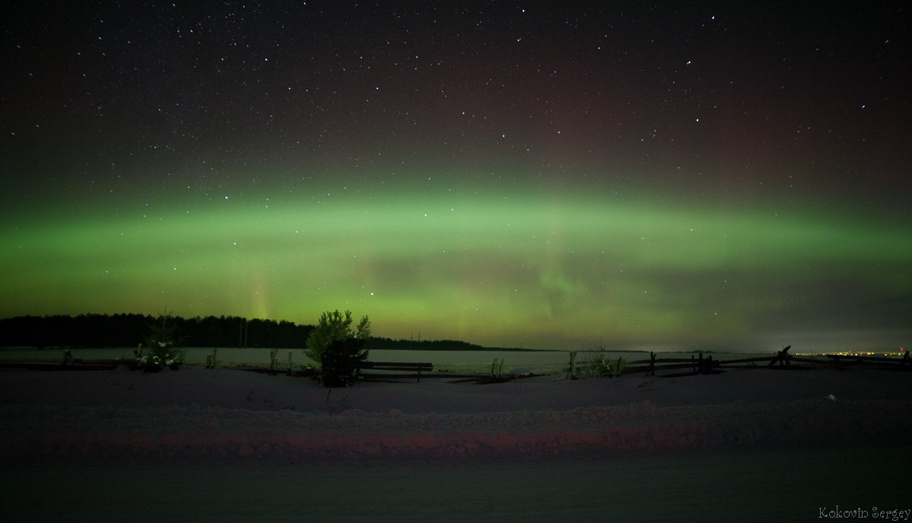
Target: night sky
{"points": [[521, 174]]}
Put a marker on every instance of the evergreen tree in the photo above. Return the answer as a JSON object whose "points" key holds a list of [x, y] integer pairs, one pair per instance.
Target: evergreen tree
{"points": [[334, 326], [337, 348], [162, 352], [342, 362]]}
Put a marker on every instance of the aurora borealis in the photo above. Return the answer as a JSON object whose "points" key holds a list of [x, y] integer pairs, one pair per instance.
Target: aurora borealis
{"points": [[526, 175]]}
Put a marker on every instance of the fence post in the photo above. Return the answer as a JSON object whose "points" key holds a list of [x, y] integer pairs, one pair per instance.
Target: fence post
{"points": [[273, 361], [783, 358], [571, 371], [494, 365]]}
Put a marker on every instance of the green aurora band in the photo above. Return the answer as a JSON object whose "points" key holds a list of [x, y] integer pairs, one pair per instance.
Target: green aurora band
{"points": [[521, 270]]}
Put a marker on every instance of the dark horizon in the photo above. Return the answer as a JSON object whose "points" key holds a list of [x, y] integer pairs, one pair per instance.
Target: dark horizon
{"points": [[120, 330]]}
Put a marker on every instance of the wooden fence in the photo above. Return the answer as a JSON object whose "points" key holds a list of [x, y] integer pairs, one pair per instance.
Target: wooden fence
{"points": [[598, 366], [698, 364]]}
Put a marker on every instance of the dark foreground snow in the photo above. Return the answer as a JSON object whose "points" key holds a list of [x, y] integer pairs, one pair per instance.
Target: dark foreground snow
{"points": [[238, 446], [721, 485]]}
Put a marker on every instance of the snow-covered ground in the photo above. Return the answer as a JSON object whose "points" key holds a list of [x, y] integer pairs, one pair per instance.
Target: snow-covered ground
{"points": [[233, 445]]}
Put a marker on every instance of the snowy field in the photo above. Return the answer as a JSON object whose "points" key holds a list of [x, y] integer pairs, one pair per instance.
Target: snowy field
{"points": [[230, 445]]}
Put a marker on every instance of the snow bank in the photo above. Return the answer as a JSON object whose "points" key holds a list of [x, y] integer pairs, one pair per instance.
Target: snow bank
{"points": [[65, 432], [234, 414]]}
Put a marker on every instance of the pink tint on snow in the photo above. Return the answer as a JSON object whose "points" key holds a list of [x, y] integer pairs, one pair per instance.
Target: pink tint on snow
{"points": [[229, 414]]}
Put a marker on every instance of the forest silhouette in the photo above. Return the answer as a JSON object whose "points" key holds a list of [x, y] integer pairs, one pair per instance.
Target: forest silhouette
{"points": [[129, 330]]}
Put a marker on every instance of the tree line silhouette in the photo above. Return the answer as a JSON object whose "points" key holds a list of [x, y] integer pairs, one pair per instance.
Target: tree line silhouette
{"points": [[129, 330]]}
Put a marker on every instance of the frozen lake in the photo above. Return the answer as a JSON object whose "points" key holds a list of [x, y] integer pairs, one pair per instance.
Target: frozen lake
{"points": [[481, 360]]}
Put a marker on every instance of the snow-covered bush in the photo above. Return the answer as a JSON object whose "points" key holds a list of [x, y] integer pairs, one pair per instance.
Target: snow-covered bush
{"points": [[161, 351]]}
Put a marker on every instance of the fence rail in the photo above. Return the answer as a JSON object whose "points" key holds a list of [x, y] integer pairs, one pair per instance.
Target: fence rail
{"points": [[594, 365], [698, 364]]}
